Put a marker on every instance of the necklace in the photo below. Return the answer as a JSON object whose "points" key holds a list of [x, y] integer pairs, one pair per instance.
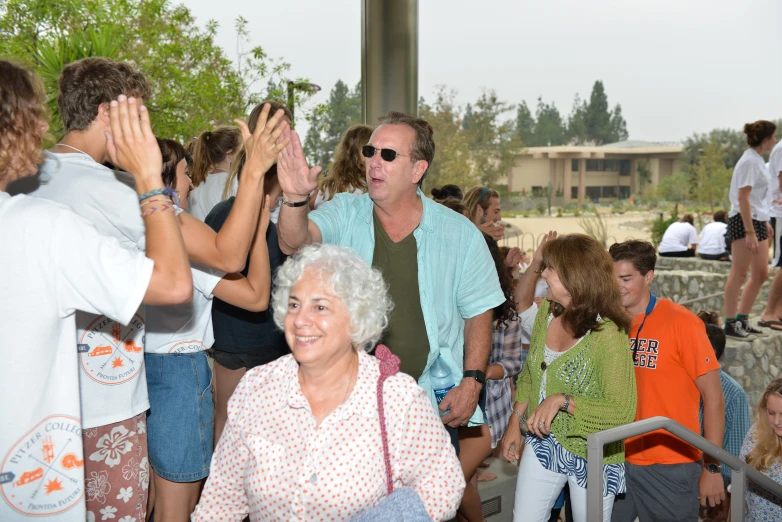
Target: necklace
{"points": [[74, 148], [314, 476]]}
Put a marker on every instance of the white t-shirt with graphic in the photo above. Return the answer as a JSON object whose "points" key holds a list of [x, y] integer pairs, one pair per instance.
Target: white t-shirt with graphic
{"points": [[54, 263], [751, 171], [774, 167], [113, 382], [185, 328], [677, 236], [205, 196], [713, 239]]}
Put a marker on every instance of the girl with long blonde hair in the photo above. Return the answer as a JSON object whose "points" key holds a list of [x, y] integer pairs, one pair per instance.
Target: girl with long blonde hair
{"points": [[762, 450]]}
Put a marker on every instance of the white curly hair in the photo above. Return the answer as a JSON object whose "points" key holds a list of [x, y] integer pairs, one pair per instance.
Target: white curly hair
{"points": [[359, 286]]}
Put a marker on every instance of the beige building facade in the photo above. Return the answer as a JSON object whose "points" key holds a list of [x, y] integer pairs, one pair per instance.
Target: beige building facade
{"points": [[589, 173]]}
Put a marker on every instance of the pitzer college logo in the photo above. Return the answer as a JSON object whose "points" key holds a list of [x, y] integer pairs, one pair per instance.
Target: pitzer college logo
{"points": [[110, 352], [42, 474]]}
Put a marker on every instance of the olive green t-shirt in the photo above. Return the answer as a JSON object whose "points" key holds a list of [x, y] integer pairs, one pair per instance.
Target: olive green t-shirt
{"points": [[406, 332]]}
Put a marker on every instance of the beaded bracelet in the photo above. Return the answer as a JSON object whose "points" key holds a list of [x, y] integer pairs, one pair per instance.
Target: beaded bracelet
{"points": [[168, 191], [155, 199], [151, 210]]}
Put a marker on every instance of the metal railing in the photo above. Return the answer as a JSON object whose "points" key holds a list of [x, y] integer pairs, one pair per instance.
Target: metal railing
{"points": [[741, 471]]}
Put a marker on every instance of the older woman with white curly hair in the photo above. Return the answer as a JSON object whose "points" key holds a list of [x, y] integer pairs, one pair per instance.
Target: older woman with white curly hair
{"points": [[326, 433]]}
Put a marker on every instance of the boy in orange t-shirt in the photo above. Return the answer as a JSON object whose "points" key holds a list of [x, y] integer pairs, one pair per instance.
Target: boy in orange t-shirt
{"points": [[674, 367]]}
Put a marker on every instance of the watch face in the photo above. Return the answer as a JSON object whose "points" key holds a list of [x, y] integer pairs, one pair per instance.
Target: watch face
{"points": [[713, 468]]}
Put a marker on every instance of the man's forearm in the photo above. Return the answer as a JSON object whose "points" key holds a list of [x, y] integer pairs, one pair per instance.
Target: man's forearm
{"points": [[292, 228], [714, 422], [477, 341]]}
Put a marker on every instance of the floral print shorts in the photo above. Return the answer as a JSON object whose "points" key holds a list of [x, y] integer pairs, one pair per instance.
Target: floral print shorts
{"points": [[116, 471]]}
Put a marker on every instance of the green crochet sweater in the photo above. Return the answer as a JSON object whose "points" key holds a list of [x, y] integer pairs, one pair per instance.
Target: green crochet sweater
{"points": [[597, 372]]}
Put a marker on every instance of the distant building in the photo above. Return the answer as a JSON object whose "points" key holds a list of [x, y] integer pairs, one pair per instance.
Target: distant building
{"points": [[586, 173]]}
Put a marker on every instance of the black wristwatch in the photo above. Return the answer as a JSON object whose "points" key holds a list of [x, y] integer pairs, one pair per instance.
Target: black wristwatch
{"points": [[712, 468], [477, 375]]}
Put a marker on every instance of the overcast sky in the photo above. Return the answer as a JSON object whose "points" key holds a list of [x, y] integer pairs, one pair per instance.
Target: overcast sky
{"points": [[675, 66]]}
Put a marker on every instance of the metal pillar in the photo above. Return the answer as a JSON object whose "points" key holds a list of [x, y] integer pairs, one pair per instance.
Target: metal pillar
{"points": [[389, 58]]}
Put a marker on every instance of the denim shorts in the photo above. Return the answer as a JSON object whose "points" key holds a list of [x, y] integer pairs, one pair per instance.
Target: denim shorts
{"points": [[180, 422]]}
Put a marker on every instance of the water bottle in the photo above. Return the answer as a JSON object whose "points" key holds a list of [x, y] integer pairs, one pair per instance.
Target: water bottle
{"points": [[442, 380]]}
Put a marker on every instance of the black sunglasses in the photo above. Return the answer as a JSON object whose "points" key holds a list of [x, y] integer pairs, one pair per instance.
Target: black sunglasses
{"points": [[388, 155]]}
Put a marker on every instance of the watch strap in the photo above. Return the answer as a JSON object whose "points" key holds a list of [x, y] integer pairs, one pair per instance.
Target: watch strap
{"points": [[296, 203], [476, 374], [566, 405]]}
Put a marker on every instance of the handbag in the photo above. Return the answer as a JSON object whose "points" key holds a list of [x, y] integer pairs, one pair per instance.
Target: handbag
{"points": [[389, 365]]}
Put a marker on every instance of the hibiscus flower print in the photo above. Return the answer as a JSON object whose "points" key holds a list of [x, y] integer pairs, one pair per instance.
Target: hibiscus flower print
{"points": [[108, 512], [143, 473], [141, 426], [125, 494], [127, 518], [90, 433], [113, 445], [98, 486], [130, 470]]}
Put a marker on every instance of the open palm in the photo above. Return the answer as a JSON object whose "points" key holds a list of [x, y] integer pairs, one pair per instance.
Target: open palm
{"points": [[296, 178]]}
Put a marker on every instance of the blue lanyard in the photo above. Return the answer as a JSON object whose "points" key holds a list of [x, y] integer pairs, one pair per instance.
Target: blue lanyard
{"points": [[649, 308]]}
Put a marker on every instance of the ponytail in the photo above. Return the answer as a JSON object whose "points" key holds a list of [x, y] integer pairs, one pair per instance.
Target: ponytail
{"points": [[211, 148]]}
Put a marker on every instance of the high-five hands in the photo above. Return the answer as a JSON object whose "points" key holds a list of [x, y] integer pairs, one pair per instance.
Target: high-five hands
{"points": [[296, 178], [131, 143], [262, 146]]}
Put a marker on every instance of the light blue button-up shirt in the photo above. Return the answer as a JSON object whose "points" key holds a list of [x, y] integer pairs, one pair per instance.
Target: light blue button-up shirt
{"points": [[457, 278]]}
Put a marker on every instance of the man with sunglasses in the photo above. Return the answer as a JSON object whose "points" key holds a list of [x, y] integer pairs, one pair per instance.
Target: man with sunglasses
{"points": [[675, 367], [440, 274]]}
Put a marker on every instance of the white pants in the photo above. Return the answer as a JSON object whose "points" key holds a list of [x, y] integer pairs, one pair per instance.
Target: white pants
{"points": [[537, 489]]}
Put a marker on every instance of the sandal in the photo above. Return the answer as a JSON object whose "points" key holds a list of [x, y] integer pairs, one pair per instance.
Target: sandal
{"points": [[771, 325]]}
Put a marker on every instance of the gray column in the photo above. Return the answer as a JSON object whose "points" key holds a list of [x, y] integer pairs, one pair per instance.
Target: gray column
{"points": [[389, 58]]}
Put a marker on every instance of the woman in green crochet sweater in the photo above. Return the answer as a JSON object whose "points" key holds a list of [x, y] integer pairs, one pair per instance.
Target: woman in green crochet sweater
{"points": [[578, 379]]}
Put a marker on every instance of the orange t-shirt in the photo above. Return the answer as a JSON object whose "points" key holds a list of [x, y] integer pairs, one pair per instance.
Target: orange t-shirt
{"points": [[673, 351]]}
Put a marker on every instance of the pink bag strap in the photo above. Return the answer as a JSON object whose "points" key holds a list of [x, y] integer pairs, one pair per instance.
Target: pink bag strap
{"points": [[389, 365]]}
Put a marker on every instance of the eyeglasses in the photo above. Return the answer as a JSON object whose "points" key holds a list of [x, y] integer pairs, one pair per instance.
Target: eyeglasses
{"points": [[388, 155]]}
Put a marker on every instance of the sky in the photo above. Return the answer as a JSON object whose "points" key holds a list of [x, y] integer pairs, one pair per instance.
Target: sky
{"points": [[675, 66]]}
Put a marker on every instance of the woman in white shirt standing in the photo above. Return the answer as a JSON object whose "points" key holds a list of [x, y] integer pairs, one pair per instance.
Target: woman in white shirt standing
{"points": [[678, 237], [712, 245], [213, 154], [748, 228]]}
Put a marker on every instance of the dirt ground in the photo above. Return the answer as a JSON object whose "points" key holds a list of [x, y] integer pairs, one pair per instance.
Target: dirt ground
{"points": [[631, 225]]}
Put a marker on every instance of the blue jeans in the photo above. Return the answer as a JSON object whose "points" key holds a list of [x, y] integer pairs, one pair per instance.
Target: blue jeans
{"points": [[180, 423]]}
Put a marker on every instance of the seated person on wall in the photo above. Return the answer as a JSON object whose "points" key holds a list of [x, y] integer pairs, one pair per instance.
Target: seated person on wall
{"points": [[677, 238], [713, 246]]}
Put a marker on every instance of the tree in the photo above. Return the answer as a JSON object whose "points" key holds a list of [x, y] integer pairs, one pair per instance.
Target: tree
{"points": [[194, 85], [327, 124], [711, 176], [576, 125], [592, 122], [452, 153], [491, 139], [549, 129], [525, 124], [674, 188]]}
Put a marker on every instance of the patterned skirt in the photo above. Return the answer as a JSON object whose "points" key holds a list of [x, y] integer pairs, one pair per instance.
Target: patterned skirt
{"points": [[553, 457]]}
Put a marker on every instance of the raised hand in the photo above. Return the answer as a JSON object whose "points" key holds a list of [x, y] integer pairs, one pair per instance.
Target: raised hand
{"points": [[496, 232], [262, 146], [296, 178], [131, 143], [537, 257], [513, 258]]}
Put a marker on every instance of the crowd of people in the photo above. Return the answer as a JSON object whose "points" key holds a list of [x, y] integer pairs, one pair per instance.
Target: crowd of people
{"points": [[214, 331]]}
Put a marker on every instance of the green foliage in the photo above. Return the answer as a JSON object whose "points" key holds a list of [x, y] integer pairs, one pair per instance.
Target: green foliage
{"points": [[732, 142], [711, 176], [588, 122], [674, 188], [194, 85], [330, 121]]}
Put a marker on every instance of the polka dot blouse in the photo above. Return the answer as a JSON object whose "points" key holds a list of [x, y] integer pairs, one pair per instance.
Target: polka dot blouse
{"points": [[272, 463]]}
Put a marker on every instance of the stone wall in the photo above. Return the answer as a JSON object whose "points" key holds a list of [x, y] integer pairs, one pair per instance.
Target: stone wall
{"points": [[752, 363]]}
